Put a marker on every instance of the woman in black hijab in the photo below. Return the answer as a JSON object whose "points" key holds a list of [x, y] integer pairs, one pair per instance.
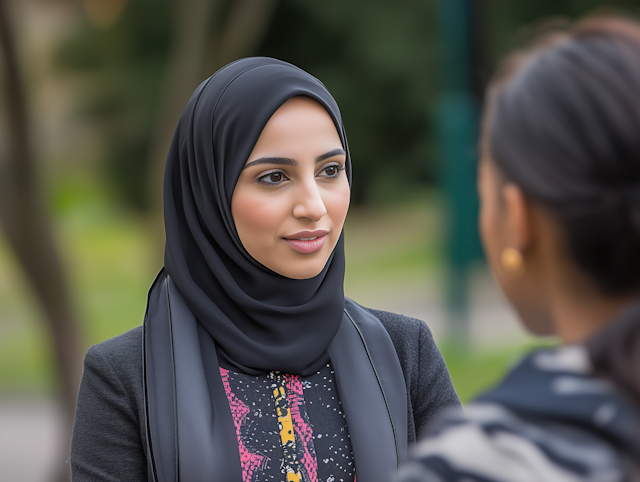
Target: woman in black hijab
{"points": [[251, 364]]}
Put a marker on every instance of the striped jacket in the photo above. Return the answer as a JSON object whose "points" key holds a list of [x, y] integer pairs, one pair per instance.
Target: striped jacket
{"points": [[550, 420]]}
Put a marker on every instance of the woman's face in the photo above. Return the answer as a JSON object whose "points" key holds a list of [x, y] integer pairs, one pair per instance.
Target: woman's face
{"points": [[506, 221], [292, 197]]}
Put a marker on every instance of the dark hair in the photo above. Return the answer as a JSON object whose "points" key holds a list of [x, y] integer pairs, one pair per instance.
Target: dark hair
{"points": [[563, 123]]}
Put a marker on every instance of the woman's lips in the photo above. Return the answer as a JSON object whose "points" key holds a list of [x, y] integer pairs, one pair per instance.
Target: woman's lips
{"points": [[308, 244]]}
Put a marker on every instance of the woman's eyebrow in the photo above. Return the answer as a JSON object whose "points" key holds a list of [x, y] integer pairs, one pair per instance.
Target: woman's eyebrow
{"points": [[283, 161], [335, 152]]}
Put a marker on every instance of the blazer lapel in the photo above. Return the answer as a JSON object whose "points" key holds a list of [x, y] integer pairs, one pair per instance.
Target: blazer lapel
{"points": [[372, 392]]}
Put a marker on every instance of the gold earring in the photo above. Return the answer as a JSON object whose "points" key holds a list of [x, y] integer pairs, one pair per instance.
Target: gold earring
{"points": [[513, 261]]}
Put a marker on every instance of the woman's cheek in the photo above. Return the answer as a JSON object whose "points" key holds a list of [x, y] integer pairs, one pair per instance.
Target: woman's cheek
{"points": [[256, 219], [338, 205]]}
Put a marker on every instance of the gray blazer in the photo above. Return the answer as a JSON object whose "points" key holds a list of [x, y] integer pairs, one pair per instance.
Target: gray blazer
{"points": [[109, 435]]}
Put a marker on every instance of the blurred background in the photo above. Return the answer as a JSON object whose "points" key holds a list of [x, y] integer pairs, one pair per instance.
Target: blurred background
{"points": [[90, 92]]}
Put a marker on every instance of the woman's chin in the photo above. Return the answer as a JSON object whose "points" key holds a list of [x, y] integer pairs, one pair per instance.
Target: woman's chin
{"points": [[306, 269], [300, 274]]}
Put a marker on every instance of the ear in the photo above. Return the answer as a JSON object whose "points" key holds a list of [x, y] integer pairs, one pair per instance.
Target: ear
{"points": [[520, 226]]}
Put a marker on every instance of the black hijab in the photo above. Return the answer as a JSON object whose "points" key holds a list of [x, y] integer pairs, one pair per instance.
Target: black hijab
{"points": [[213, 305], [260, 320]]}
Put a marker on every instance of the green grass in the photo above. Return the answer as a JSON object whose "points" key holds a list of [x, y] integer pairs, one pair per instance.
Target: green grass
{"points": [[388, 243], [108, 261], [473, 372], [112, 260]]}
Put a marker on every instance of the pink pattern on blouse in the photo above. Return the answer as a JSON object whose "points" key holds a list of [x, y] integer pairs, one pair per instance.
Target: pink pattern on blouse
{"points": [[302, 428], [248, 460]]}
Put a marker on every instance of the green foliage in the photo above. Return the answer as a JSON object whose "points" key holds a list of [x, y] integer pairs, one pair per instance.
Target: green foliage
{"points": [[127, 66], [381, 60], [504, 21], [375, 57]]}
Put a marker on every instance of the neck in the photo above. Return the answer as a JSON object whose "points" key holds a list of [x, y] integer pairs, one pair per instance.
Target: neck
{"points": [[578, 318]]}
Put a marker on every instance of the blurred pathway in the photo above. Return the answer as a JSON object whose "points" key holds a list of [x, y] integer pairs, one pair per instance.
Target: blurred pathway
{"points": [[492, 323], [30, 434]]}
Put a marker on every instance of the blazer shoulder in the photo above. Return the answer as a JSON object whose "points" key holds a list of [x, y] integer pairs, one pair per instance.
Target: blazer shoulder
{"points": [[122, 354], [123, 343], [405, 332], [409, 336], [413, 342]]}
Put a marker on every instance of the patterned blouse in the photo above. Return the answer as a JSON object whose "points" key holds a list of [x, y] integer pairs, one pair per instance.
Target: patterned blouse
{"points": [[289, 428], [551, 419]]}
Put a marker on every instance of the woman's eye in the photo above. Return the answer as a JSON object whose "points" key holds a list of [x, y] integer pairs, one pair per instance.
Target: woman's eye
{"points": [[332, 171], [275, 177]]}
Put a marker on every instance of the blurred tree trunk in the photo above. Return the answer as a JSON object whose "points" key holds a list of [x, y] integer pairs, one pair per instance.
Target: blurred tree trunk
{"points": [[190, 34], [195, 56], [25, 221], [242, 32]]}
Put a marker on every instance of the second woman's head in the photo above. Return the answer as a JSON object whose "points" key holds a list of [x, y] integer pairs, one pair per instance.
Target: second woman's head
{"points": [[560, 175]]}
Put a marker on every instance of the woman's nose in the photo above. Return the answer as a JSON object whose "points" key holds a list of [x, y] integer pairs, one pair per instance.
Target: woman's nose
{"points": [[309, 203]]}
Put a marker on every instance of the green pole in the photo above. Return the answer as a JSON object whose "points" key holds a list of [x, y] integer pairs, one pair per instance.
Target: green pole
{"points": [[456, 121]]}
